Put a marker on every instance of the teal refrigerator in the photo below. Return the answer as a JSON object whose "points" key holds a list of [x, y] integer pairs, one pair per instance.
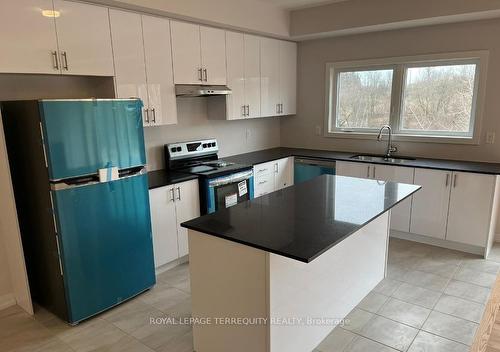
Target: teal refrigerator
{"points": [[81, 191]]}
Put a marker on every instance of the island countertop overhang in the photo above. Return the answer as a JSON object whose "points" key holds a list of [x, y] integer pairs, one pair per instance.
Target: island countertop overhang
{"points": [[303, 221]]}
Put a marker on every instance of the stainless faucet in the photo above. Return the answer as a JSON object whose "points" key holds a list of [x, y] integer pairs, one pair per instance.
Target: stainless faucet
{"points": [[390, 148]]}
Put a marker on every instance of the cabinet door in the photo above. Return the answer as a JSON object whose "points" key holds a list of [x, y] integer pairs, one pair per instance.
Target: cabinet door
{"points": [[288, 77], [27, 37], [284, 173], [84, 39], [470, 208], [235, 52], [429, 211], [264, 184], [128, 52], [252, 75], [186, 52], [188, 207], [164, 225], [270, 76], [213, 55], [159, 73], [400, 214], [353, 169]]}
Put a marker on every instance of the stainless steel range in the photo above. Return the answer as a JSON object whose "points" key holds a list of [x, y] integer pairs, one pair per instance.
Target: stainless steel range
{"points": [[222, 184]]}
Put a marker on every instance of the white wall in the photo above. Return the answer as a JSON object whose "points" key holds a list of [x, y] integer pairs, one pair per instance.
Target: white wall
{"points": [[254, 16], [194, 124], [299, 130]]}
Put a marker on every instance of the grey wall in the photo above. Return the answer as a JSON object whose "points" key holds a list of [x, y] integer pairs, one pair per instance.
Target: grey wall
{"points": [[193, 123], [299, 130]]}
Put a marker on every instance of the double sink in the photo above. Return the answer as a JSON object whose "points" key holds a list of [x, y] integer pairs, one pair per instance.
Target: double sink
{"points": [[381, 159]]}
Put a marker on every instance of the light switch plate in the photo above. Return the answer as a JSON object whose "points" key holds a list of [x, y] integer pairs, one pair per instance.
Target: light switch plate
{"points": [[490, 137], [318, 130]]}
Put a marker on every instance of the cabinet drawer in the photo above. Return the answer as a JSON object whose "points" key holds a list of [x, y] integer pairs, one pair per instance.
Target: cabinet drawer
{"points": [[264, 184], [263, 169]]}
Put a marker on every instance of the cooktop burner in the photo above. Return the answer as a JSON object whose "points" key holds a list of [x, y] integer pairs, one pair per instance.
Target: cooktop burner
{"points": [[218, 163]]}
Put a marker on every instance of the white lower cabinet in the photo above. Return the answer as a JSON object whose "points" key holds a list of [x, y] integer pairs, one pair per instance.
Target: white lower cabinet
{"points": [[470, 210], [400, 214], [429, 212], [170, 206], [272, 176]]}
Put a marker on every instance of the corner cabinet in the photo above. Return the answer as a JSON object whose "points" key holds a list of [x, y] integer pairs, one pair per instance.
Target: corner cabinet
{"points": [[272, 176], [143, 64], [199, 54], [55, 44], [170, 206]]}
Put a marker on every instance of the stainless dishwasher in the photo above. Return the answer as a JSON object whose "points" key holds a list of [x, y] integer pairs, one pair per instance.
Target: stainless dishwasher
{"points": [[308, 168]]}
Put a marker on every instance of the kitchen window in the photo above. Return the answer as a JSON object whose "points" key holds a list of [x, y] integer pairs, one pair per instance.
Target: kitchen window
{"points": [[424, 98]]}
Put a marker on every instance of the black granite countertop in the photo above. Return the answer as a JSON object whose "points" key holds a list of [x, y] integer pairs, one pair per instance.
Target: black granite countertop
{"points": [[303, 221], [266, 155], [160, 178]]}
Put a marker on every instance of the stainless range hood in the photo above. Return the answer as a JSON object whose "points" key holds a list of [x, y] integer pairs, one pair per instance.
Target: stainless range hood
{"points": [[194, 90]]}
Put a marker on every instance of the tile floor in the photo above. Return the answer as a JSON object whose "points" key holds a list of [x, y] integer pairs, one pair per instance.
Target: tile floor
{"points": [[432, 300]]}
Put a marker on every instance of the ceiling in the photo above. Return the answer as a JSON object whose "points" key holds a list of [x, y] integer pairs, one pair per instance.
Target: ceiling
{"points": [[297, 4]]}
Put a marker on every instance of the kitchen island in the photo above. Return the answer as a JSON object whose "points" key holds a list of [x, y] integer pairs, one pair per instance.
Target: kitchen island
{"points": [[279, 272]]}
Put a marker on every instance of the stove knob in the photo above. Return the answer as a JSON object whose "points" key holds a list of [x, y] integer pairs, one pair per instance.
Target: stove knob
{"points": [[173, 149], [205, 145], [179, 149], [213, 144]]}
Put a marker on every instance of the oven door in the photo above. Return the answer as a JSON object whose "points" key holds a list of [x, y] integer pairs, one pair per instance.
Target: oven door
{"points": [[226, 191]]}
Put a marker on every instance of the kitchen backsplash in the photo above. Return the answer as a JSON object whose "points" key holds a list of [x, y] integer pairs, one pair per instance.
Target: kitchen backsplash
{"points": [[234, 137]]}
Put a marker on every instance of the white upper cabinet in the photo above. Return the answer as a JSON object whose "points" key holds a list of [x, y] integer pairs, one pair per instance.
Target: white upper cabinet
{"points": [[159, 74], [243, 75], [235, 54], [84, 39], [471, 202], [252, 75], [288, 78], [186, 49], [213, 55], [128, 51], [27, 37], [270, 76], [199, 54], [429, 212]]}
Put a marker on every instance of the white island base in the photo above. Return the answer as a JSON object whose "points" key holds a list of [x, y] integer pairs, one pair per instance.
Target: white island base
{"points": [[232, 280]]}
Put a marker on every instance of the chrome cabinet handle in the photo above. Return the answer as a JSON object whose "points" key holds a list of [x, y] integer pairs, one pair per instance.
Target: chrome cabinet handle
{"points": [[368, 172], [154, 115], [447, 180], [55, 60], [172, 194], [248, 110], [262, 182], [455, 180], [262, 170], [205, 75], [178, 193], [200, 74], [277, 108], [374, 168], [64, 56], [244, 110], [146, 115]]}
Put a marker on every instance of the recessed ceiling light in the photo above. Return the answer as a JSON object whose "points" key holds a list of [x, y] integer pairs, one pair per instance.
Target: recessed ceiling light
{"points": [[51, 13]]}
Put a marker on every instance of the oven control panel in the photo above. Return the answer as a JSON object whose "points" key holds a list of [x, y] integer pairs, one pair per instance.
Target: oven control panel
{"points": [[192, 149]]}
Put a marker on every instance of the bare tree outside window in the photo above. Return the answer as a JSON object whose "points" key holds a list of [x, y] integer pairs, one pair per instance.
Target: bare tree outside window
{"points": [[438, 98], [364, 98]]}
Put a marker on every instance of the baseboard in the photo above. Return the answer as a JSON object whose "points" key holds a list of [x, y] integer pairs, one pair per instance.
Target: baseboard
{"points": [[7, 301], [438, 242], [172, 264]]}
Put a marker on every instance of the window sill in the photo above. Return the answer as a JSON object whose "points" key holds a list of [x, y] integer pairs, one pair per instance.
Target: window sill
{"points": [[406, 137]]}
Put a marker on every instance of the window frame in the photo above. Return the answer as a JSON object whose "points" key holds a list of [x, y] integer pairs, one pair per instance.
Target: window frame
{"points": [[400, 65]]}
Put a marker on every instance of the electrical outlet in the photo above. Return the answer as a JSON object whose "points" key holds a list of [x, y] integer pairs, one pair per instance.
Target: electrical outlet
{"points": [[318, 130], [490, 137]]}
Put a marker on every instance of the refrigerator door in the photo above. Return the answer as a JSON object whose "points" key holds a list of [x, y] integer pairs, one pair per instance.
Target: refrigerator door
{"points": [[105, 244], [82, 136]]}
